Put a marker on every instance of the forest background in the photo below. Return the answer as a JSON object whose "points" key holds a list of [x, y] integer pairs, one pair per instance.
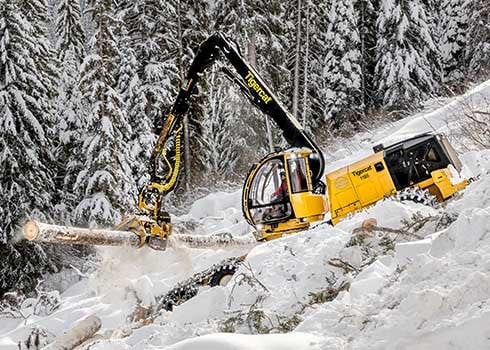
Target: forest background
{"points": [[85, 86]]}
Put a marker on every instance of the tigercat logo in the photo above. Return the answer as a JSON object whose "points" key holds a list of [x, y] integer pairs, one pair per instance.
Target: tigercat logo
{"points": [[252, 83], [362, 171]]}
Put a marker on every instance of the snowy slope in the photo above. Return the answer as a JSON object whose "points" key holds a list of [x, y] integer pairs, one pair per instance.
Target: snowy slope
{"points": [[429, 289]]}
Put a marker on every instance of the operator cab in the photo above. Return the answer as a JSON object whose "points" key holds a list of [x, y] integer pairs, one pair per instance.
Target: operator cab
{"points": [[278, 195], [413, 161]]}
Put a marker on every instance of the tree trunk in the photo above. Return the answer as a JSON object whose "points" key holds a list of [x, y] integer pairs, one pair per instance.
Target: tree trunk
{"points": [[41, 232], [296, 63], [185, 121], [307, 49], [218, 241]]}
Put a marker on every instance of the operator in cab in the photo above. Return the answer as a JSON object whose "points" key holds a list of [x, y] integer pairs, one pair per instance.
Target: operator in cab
{"points": [[282, 191]]}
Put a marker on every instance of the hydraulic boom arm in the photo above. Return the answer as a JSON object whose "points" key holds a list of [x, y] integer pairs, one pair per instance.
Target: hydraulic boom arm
{"points": [[252, 85]]}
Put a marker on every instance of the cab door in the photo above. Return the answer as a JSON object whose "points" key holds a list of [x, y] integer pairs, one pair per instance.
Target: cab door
{"points": [[268, 193]]}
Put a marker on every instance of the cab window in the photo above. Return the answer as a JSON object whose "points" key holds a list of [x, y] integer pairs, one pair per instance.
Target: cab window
{"points": [[267, 182], [298, 175], [269, 194]]}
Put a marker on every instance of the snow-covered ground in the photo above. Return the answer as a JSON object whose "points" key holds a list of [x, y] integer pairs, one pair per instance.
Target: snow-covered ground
{"points": [[425, 286]]}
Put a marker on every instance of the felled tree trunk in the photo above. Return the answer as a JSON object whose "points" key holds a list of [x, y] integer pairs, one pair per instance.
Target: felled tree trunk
{"points": [[38, 231], [213, 241], [81, 332], [41, 232]]}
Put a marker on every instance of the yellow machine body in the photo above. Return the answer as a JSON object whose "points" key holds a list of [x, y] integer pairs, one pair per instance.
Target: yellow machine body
{"points": [[371, 179], [296, 210], [358, 185], [440, 184]]}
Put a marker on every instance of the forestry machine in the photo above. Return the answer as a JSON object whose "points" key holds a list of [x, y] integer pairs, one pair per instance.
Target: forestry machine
{"points": [[302, 199], [284, 192]]}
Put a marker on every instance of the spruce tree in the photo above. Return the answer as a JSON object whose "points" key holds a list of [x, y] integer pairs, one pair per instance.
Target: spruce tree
{"points": [[366, 11], [35, 12], [342, 70], [453, 40], [26, 185], [69, 32], [478, 48], [150, 49], [315, 47], [219, 144], [73, 118], [71, 115], [259, 33], [25, 151], [303, 59], [405, 73], [105, 183]]}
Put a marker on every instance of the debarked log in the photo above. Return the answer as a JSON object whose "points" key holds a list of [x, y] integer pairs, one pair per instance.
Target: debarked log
{"points": [[41, 232]]}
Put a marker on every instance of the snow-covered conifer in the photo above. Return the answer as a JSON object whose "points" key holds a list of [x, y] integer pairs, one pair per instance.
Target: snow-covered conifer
{"points": [[342, 69], [453, 38], [69, 29], [26, 180], [71, 115], [72, 120], [26, 185], [36, 12], [219, 144], [478, 48], [404, 73], [259, 32], [366, 11], [105, 182], [313, 100], [148, 76]]}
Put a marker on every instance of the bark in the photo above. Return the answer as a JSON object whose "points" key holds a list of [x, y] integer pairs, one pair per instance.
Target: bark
{"points": [[185, 121], [41, 232], [214, 241], [307, 50], [296, 63]]}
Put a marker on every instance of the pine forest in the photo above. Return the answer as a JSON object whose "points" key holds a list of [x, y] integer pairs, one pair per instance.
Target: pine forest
{"points": [[85, 86]]}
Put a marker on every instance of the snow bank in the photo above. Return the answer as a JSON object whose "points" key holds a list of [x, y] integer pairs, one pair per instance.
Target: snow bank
{"points": [[288, 269], [434, 294], [216, 213], [446, 119], [227, 341], [430, 293], [215, 203]]}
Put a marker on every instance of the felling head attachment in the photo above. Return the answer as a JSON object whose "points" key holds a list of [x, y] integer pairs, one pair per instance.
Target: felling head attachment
{"points": [[151, 232]]}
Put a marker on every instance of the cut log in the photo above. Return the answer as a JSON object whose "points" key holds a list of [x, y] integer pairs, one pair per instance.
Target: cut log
{"points": [[212, 241], [81, 332], [41, 232]]}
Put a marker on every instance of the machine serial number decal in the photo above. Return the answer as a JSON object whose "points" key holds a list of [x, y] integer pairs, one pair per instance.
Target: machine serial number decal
{"points": [[252, 83]]}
